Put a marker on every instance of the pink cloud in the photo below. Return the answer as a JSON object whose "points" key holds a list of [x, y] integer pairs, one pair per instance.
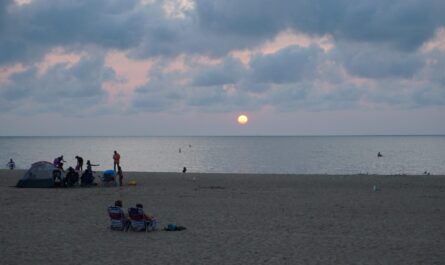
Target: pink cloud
{"points": [[242, 55], [22, 2], [58, 56], [130, 73], [177, 9], [7, 71], [437, 42], [205, 60], [282, 40], [288, 38]]}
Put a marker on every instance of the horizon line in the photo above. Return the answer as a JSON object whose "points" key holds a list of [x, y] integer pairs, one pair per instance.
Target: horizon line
{"points": [[247, 135]]}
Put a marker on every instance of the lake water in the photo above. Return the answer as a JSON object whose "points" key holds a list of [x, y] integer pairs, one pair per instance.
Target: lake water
{"points": [[297, 155]]}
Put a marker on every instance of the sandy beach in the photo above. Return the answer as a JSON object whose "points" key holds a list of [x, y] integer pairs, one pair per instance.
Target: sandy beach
{"points": [[230, 219]]}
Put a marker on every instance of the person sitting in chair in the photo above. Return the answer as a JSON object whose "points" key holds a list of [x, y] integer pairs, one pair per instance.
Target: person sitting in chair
{"points": [[87, 178], [57, 178], [118, 219], [72, 177], [149, 220]]}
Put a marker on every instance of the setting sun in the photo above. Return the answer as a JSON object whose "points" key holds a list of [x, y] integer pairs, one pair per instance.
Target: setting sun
{"points": [[242, 119]]}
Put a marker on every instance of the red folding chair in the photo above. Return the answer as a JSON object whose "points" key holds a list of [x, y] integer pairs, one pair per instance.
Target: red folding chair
{"points": [[118, 219]]}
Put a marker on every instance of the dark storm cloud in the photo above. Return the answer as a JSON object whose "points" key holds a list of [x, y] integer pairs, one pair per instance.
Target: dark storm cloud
{"points": [[31, 30], [307, 95], [209, 88], [372, 39], [61, 87], [228, 72], [289, 65], [376, 61], [160, 94], [405, 24], [213, 27]]}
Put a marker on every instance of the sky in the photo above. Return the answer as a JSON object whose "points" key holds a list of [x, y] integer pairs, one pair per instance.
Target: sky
{"points": [[191, 67]]}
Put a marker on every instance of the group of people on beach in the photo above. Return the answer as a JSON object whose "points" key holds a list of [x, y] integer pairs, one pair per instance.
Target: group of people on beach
{"points": [[87, 178]]}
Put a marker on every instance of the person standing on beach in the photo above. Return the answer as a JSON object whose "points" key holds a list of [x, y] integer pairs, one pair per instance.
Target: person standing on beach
{"points": [[120, 175], [11, 164], [90, 166], [116, 159], [58, 162], [79, 165]]}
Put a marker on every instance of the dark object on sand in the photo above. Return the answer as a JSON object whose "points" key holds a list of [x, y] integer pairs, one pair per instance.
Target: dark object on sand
{"points": [[174, 227], [184, 169], [71, 178]]}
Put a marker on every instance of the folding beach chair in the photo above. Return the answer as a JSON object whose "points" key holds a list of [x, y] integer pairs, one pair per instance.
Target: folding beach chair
{"points": [[138, 221], [118, 220]]}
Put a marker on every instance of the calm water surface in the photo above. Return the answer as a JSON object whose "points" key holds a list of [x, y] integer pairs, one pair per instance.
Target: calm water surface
{"points": [[304, 155]]}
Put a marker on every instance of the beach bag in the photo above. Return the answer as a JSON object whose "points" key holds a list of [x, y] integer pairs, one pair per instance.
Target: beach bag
{"points": [[174, 227]]}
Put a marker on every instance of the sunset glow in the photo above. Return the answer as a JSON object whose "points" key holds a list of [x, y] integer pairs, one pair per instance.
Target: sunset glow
{"points": [[242, 119]]}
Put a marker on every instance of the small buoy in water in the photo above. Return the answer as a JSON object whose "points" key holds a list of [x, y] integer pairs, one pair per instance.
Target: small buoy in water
{"points": [[375, 188], [132, 183]]}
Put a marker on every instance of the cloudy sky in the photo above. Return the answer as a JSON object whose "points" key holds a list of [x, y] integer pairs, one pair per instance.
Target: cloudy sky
{"points": [[190, 67]]}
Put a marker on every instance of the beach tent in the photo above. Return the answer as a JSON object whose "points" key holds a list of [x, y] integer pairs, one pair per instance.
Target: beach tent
{"points": [[40, 175]]}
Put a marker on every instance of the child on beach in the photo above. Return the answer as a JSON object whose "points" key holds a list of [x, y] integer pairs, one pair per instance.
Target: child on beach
{"points": [[11, 164], [120, 175]]}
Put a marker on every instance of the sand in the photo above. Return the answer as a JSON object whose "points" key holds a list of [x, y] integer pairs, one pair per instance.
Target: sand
{"points": [[230, 219]]}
